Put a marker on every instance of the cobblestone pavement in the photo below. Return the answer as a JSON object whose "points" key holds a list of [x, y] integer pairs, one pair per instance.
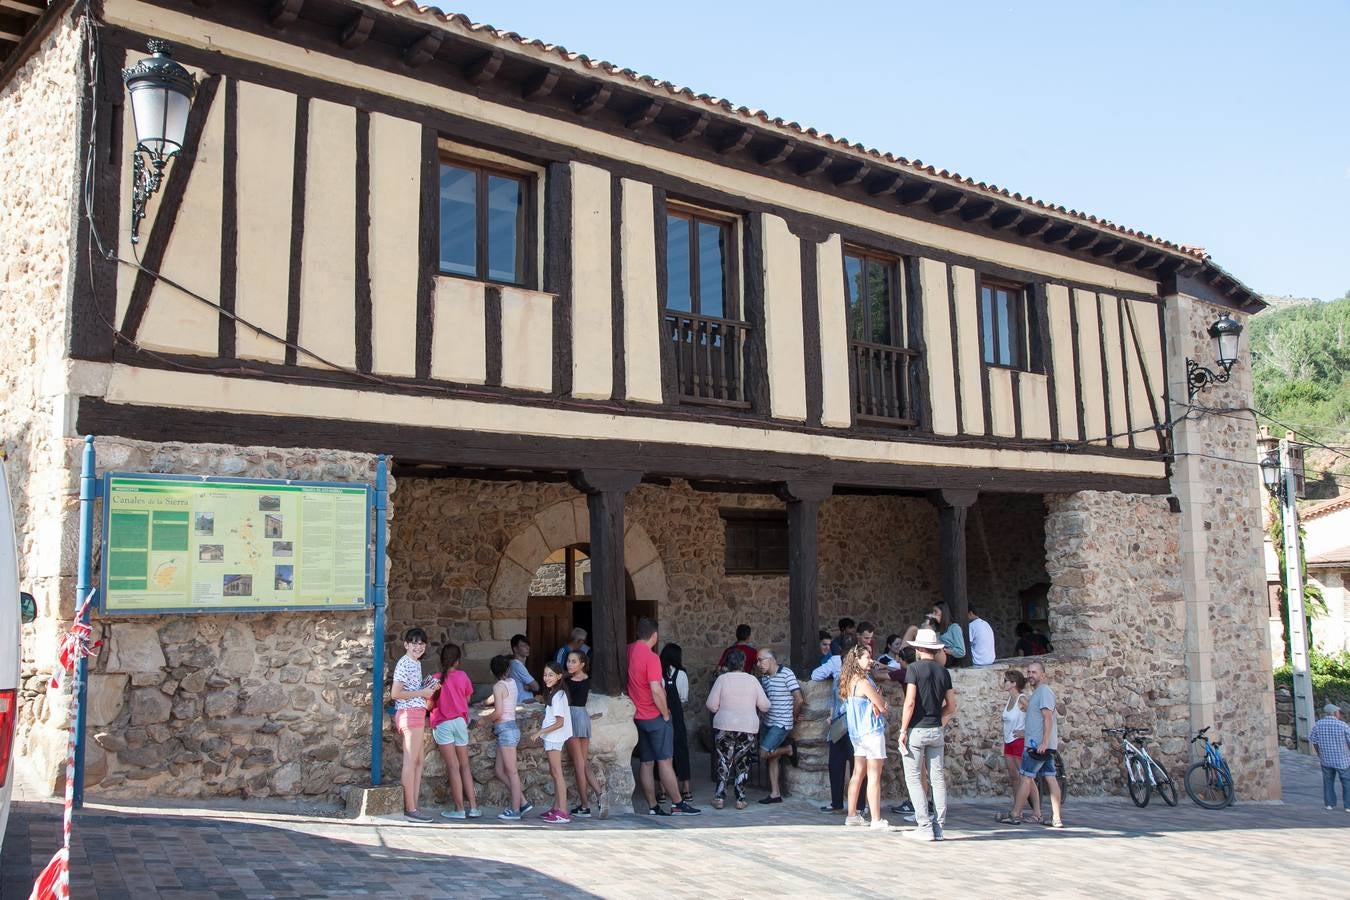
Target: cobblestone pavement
{"points": [[1109, 848]]}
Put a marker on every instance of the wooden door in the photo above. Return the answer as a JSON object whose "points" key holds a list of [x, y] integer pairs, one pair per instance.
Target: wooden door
{"points": [[636, 610], [548, 625]]}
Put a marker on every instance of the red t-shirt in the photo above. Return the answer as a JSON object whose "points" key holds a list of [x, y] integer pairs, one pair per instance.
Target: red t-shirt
{"points": [[751, 656], [644, 667]]}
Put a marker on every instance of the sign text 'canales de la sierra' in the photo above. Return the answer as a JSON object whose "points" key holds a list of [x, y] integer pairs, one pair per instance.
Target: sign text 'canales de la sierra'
{"points": [[195, 544]]}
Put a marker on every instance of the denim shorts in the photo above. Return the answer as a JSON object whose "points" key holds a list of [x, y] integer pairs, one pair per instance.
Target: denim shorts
{"points": [[508, 733], [771, 737], [1032, 767], [451, 731]]}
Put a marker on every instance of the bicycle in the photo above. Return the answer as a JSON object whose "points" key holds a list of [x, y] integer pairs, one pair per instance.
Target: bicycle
{"points": [[1143, 773], [1209, 782]]}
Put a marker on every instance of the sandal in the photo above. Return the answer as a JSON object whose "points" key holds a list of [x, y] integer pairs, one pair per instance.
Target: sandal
{"points": [[741, 804], [718, 803], [1008, 819], [1055, 824], [1033, 819]]}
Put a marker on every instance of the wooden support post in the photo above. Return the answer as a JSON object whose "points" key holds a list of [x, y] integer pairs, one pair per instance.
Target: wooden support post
{"points": [[952, 507], [605, 492], [803, 504]]}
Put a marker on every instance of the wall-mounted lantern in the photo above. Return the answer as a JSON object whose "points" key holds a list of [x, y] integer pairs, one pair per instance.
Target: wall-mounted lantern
{"points": [[161, 93], [1225, 331], [1270, 473]]}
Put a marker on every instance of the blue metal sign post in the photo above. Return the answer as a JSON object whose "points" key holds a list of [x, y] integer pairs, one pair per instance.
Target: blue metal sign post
{"points": [[88, 494], [377, 675]]}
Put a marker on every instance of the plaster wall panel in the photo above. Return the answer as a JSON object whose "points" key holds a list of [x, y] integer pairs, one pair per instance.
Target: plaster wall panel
{"points": [[395, 190], [1115, 370], [966, 297], [527, 340], [592, 319], [1001, 388], [1034, 395], [266, 123], [174, 321], [783, 320], [1061, 360], [641, 336], [328, 258], [1090, 364], [459, 326], [837, 409], [1147, 382], [937, 338]]}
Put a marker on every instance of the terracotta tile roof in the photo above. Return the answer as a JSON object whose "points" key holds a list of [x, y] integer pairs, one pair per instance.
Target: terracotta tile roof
{"points": [[583, 63], [1332, 559], [1325, 509]]}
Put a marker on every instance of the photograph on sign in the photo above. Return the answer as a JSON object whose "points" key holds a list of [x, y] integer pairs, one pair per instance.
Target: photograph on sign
{"points": [[193, 544]]}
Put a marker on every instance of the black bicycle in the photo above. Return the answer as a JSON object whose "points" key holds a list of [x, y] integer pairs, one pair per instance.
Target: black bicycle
{"points": [[1209, 782]]}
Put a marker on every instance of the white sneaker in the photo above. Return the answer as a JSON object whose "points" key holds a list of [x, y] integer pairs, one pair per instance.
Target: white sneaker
{"points": [[923, 835], [854, 820], [880, 824], [1329, 807]]}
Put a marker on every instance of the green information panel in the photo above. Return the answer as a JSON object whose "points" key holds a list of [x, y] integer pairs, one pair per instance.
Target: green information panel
{"points": [[191, 544]]}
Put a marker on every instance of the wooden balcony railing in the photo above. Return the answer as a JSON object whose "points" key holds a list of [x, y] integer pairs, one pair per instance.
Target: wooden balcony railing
{"points": [[709, 358], [881, 386]]}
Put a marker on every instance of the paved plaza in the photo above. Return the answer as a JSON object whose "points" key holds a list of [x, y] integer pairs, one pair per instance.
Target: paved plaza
{"points": [[1109, 848]]}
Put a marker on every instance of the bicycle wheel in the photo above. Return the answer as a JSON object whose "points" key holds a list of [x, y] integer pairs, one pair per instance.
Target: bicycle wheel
{"points": [[1208, 786], [1166, 787], [1136, 781]]}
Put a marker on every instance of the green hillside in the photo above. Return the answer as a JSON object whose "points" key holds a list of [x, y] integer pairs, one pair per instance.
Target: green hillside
{"points": [[1302, 378]]}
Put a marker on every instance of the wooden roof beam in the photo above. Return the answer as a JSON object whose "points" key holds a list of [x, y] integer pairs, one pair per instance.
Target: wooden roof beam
{"points": [[643, 114], [1082, 240], [1151, 260], [948, 203], [1130, 253], [279, 15], [978, 211], [882, 183], [484, 68], [912, 193], [814, 165], [540, 84], [777, 153], [1035, 226], [590, 100], [691, 127], [1059, 233], [422, 50], [849, 174], [1106, 246], [1007, 217], [735, 139], [355, 32]]}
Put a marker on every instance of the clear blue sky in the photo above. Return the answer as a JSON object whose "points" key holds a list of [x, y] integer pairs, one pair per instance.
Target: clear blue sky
{"points": [[1222, 124]]}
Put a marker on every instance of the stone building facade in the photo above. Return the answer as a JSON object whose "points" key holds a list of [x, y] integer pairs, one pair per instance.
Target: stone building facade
{"points": [[292, 321]]}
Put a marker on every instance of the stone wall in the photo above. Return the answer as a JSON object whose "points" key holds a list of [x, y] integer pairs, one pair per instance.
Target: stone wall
{"points": [[251, 705], [455, 543], [40, 109]]}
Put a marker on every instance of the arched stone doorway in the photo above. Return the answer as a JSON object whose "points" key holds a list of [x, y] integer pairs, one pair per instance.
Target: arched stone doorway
{"points": [[555, 529]]}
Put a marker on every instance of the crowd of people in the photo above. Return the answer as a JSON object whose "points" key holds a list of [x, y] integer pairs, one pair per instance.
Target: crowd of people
{"points": [[754, 702]]}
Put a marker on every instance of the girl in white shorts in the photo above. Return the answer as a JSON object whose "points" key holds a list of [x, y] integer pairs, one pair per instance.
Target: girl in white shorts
{"points": [[555, 732]]}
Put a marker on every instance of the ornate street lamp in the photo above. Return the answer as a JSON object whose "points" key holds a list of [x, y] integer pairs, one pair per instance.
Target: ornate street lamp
{"points": [[161, 93], [1225, 331], [1270, 473]]}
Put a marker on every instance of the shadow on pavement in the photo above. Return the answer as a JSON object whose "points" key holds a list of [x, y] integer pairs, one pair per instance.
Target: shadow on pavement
{"points": [[120, 856]]}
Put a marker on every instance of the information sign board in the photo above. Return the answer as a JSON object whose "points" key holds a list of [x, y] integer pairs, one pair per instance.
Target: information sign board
{"points": [[174, 543]]}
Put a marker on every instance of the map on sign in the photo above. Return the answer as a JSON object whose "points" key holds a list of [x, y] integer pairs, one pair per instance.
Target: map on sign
{"points": [[197, 544]]}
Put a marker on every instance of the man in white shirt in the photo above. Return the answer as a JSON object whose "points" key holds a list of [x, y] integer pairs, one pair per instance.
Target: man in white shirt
{"points": [[981, 640]]}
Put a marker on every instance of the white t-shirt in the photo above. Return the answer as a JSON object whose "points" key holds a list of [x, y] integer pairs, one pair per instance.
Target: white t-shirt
{"points": [[558, 710], [408, 673], [981, 643]]}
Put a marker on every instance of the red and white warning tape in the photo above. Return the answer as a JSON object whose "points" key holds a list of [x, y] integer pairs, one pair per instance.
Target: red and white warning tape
{"points": [[54, 882]]}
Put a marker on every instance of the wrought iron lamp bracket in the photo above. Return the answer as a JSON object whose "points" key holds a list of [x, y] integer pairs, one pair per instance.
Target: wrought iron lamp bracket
{"points": [[1199, 377]]}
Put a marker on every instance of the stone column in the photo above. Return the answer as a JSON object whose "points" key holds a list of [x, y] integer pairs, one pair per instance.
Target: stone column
{"points": [[953, 505], [605, 492], [803, 503]]}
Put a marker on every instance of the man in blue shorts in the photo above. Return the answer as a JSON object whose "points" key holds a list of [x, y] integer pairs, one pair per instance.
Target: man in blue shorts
{"points": [[651, 717], [785, 701], [1042, 739]]}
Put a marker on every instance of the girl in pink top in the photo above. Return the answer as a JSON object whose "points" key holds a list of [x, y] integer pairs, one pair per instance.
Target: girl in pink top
{"points": [[450, 729]]}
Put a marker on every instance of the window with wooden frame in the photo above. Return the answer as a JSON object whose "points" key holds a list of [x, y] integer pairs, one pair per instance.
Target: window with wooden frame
{"points": [[486, 222], [703, 317], [756, 541], [1007, 324], [874, 290]]}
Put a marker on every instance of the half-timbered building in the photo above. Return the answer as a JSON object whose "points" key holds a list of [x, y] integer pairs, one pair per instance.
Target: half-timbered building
{"points": [[629, 350]]}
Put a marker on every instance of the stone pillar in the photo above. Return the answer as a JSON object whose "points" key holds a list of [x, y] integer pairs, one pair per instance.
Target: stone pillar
{"points": [[953, 505], [803, 504], [605, 492]]}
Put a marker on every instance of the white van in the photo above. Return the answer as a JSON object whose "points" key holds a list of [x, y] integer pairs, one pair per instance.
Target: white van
{"points": [[10, 614]]}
